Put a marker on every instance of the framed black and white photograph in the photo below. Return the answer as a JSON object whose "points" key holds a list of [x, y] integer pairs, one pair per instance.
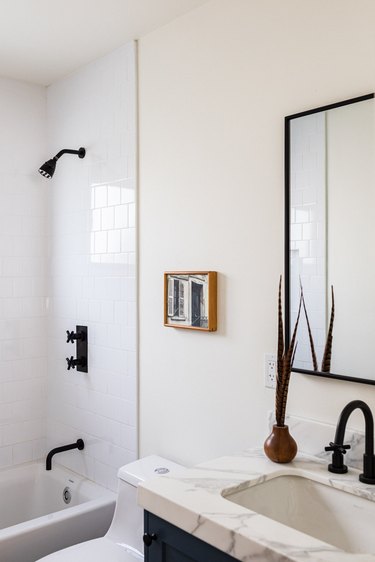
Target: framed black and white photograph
{"points": [[190, 299]]}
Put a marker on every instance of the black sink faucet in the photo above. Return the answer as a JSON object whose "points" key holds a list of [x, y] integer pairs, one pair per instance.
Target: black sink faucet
{"points": [[339, 449]]}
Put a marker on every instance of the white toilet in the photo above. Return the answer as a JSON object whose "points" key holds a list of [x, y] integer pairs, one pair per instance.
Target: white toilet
{"points": [[123, 541]]}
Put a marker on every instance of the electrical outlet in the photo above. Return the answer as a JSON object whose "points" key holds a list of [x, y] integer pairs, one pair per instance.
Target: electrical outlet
{"points": [[270, 370]]}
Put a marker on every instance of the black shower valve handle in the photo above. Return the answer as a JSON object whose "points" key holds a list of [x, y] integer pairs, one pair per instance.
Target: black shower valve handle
{"points": [[71, 336], [71, 362]]}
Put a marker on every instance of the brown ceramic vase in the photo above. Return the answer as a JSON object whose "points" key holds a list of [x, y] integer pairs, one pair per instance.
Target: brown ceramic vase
{"points": [[280, 445]]}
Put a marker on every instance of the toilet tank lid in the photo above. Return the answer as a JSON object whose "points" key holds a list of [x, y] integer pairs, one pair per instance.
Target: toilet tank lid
{"points": [[146, 468]]}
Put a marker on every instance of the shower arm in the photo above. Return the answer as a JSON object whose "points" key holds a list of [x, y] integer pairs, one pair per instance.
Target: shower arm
{"points": [[81, 153]]}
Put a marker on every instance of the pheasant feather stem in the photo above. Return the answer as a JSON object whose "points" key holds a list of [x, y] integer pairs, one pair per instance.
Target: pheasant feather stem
{"points": [[312, 347], [326, 363], [284, 363]]}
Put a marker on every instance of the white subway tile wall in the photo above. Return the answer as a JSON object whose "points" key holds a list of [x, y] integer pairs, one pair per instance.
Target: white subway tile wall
{"points": [[23, 290], [90, 275], [92, 265]]}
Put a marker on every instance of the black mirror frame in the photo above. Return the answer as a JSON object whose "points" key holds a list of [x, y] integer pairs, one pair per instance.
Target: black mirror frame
{"points": [[288, 119]]}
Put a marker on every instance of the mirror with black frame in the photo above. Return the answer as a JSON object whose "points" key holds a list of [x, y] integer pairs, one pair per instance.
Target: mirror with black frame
{"points": [[330, 235]]}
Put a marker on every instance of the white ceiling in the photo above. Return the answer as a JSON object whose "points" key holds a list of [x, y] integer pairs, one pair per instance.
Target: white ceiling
{"points": [[43, 40]]}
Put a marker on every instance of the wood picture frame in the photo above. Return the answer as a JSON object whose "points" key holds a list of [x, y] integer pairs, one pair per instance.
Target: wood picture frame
{"points": [[190, 300]]}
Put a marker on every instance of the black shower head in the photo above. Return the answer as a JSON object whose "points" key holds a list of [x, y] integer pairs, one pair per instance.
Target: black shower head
{"points": [[48, 168]]}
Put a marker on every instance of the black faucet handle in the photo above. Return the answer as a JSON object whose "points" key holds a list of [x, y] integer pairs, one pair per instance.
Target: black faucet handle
{"points": [[71, 336], [71, 362], [338, 451], [337, 448]]}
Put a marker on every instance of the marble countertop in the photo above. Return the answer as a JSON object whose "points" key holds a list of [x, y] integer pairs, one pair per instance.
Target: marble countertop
{"points": [[193, 500]]}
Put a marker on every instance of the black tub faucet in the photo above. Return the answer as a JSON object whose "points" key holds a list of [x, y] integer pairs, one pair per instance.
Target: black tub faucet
{"points": [[78, 445], [339, 449]]}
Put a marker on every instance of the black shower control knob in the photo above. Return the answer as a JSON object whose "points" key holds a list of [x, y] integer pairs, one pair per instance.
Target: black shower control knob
{"points": [[147, 538], [69, 336], [71, 362]]}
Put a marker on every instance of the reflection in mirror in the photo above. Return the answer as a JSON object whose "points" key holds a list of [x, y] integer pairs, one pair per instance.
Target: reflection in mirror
{"points": [[331, 200]]}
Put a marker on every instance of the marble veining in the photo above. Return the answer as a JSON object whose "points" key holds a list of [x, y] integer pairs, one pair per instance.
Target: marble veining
{"points": [[194, 499]]}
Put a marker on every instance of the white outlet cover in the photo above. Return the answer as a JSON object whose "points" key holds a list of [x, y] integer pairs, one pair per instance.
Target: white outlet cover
{"points": [[270, 370]]}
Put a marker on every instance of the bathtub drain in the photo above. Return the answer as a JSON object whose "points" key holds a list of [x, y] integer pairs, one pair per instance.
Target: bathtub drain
{"points": [[67, 495]]}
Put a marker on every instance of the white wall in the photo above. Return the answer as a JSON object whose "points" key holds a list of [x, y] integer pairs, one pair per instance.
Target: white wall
{"points": [[215, 86], [23, 235], [92, 265]]}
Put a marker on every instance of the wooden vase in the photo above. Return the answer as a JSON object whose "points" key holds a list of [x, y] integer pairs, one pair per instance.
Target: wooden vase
{"points": [[280, 445]]}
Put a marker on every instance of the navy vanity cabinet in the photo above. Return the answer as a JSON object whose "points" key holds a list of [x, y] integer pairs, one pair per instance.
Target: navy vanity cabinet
{"points": [[168, 543]]}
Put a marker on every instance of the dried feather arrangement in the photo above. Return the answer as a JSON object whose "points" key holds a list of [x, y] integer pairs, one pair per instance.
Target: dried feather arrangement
{"points": [[285, 359], [280, 446], [326, 362]]}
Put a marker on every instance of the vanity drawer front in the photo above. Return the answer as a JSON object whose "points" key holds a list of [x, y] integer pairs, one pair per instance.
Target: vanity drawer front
{"points": [[174, 545]]}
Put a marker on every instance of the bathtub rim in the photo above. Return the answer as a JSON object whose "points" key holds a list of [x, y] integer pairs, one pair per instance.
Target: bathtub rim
{"points": [[106, 498]]}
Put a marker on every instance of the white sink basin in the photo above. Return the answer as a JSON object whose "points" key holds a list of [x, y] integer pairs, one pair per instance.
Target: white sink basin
{"points": [[321, 511]]}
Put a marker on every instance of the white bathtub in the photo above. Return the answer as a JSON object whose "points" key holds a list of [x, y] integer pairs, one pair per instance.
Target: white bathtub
{"points": [[35, 520]]}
